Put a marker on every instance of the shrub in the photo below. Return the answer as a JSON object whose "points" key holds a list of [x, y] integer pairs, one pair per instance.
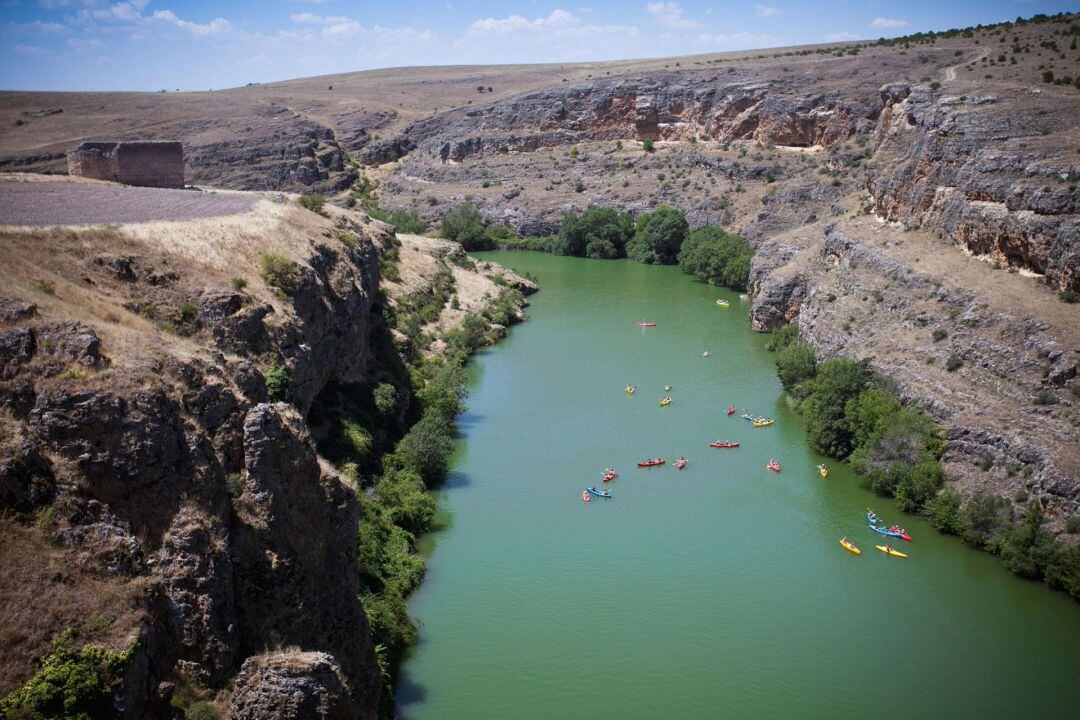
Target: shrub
{"points": [[835, 383], [647, 145], [1063, 570], [314, 203], [714, 256], [795, 365], [46, 287], [1026, 549], [201, 710], [279, 272], [1069, 296], [465, 224], [74, 684], [239, 283], [659, 237], [1045, 397], [1048, 76], [407, 222], [426, 448], [982, 518], [385, 396], [940, 334], [783, 337], [953, 363], [278, 382], [943, 512]]}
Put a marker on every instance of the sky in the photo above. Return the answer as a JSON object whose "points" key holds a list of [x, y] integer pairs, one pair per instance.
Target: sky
{"points": [[200, 44]]}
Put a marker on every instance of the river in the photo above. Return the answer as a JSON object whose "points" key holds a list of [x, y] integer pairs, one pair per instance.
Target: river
{"points": [[715, 591]]}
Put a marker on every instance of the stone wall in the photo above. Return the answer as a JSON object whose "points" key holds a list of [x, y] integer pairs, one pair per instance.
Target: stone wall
{"points": [[148, 163]]}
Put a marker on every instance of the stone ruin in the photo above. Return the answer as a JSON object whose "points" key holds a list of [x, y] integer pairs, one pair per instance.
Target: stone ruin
{"points": [[151, 163]]}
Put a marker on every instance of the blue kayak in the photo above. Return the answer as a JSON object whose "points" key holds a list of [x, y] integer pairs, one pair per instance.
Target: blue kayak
{"points": [[597, 493], [883, 531], [870, 518]]}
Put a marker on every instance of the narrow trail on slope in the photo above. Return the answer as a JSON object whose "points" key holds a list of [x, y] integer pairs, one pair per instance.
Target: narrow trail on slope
{"points": [[950, 72]]}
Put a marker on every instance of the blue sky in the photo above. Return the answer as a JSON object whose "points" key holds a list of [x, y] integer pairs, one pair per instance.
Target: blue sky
{"points": [[197, 44]]}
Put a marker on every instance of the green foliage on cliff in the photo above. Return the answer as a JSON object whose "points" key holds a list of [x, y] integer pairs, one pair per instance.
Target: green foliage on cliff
{"points": [[717, 257], [465, 225], [658, 236], [278, 382], [71, 685], [314, 203], [279, 272]]}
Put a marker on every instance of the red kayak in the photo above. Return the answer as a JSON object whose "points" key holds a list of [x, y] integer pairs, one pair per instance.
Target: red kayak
{"points": [[646, 324], [731, 409], [652, 463], [585, 495], [608, 477], [774, 466], [901, 532], [723, 444], [680, 464]]}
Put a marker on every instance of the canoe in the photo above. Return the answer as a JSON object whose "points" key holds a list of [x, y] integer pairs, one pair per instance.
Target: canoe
{"points": [[680, 464], [597, 493], [747, 416], [871, 518], [651, 463], [763, 423], [883, 531], [775, 468], [731, 409], [821, 469], [723, 303], [665, 402], [630, 389], [646, 324], [585, 495], [850, 548], [608, 477], [890, 551], [667, 388], [719, 444]]}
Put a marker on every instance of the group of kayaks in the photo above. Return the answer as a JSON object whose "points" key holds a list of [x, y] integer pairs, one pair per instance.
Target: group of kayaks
{"points": [[891, 531]]}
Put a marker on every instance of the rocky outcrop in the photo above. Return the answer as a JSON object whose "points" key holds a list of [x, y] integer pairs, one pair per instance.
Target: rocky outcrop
{"points": [[953, 165], [291, 686]]}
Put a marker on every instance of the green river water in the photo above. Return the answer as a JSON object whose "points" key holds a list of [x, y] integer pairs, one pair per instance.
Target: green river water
{"points": [[716, 591]]}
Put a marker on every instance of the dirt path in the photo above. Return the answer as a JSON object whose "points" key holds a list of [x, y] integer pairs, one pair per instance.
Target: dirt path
{"points": [[67, 203], [950, 72]]}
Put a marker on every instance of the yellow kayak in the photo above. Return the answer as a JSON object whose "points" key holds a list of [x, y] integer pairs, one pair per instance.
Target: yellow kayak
{"points": [[630, 390], [823, 470], [723, 303], [763, 423], [665, 402], [890, 551], [846, 544]]}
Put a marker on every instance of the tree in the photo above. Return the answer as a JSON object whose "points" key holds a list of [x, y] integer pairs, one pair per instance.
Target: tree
{"points": [[983, 516], [1026, 548], [386, 398], [465, 224], [1063, 570], [836, 382], [714, 256], [599, 233], [426, 448], [659, 236], [796, 364]]}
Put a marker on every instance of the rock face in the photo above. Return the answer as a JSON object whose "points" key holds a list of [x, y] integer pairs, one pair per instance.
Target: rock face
{"points": [[157, 163], [957, 166], [291, 686], [172, 468]]}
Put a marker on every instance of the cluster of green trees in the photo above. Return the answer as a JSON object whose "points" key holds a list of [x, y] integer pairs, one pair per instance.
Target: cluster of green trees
{"points": [[852, 413], [717, 257]]}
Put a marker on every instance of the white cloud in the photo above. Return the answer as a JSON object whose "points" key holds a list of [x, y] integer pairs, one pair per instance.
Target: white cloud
{"points": [[29, 50], [214, 28], [558, 37], [766, 11], [840, 37], [670, 15], [85, 44], [39, 27], [884, 22], [736, 41], [306, 18]]}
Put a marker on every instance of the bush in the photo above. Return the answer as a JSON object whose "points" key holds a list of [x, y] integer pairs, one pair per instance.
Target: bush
{"points": [[940, 334], [201, 710], [72, 684], [406, 221], [278, 382], [835, 383], [1069, 296], [314, 203], [239, 283], [426, 448], [943, 512], [659, 237], [279, 272], [714, 256], [599, 232], [982, 517], [465, 225], [647, 145], [783, 337], [1026, 549], [1045, 397], [1063, 570], [385, 396], [953, 363]]}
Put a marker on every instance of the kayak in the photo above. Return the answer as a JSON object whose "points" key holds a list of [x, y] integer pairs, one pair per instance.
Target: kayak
{"points": [[652, 463], [723, 303], [871, 517], [849, 547], [599, 493], [630, 389], [646, 324], [705, 354], [680, 464], [608, 477], [890, 551], [719, 444], [585, 495], [731, 409], [747, 416], [763, 423], [665, 402], [667, 388], [823, 470], [884, 531], [775, 467]]}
